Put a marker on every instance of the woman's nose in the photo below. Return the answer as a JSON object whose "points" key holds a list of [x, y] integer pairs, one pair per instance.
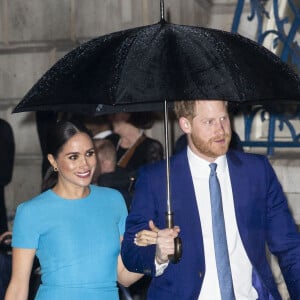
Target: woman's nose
{"points": [[83, 161]]}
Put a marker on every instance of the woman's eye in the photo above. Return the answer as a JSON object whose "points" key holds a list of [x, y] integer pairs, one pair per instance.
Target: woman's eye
{"points": [[73, 157], [90, 153]]}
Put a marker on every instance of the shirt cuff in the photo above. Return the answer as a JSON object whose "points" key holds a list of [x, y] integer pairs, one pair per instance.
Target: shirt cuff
{"points": [[159, 269]]}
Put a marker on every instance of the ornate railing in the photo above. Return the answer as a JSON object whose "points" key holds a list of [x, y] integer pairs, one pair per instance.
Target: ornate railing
{"points": [[283, 36]]}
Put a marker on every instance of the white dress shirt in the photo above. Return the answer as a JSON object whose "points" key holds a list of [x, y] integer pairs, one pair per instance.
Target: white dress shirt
{"points": [[240, 265], [102, 134]]}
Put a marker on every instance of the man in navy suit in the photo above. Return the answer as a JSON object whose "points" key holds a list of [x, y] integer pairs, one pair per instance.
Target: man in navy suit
{"points": [[255, 209]]}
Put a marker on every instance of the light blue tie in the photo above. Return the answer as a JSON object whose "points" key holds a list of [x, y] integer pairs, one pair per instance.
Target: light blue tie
{"points": [[219, 233]]}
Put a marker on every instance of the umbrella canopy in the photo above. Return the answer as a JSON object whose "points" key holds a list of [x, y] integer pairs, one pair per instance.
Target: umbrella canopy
{"points": [[146, 65]]}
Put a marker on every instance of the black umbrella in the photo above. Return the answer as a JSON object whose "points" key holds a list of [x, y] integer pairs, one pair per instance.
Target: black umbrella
{"points": [[162, 61], [145, 67]]}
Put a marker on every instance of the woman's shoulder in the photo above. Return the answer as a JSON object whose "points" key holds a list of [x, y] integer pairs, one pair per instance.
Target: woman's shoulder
{"points": [[107, 196], [102, 192], [37, 202]]}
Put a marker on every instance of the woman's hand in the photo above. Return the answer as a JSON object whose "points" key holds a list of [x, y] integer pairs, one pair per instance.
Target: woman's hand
{"points": [[147, 237]]}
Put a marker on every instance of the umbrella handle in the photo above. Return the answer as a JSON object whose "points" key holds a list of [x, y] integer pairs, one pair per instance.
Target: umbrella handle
{"points": [[175, 258]]}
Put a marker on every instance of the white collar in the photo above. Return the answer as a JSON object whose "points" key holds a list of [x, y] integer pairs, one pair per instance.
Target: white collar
{"points": [[203, 164]]}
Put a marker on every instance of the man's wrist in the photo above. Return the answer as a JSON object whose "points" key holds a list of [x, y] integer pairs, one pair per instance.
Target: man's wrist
{"points": [[160, 261], [160, 267]]}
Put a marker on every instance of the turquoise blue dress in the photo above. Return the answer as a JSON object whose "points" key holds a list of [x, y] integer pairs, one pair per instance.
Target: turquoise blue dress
{"points": [[77, 242]]}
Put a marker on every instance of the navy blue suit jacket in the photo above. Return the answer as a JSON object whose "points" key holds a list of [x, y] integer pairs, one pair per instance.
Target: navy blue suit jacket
{"points": [[262, 216]]}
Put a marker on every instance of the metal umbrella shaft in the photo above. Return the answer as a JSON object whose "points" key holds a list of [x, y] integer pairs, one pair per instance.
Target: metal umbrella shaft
{"points": [[169, 214]]}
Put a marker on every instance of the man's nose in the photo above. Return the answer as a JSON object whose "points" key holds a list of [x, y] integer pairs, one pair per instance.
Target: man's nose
{"points": [[219, 126]]}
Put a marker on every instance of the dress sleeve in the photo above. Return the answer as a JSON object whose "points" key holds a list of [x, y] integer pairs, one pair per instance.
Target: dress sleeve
{"points": [[25, 229], [123, 215]]}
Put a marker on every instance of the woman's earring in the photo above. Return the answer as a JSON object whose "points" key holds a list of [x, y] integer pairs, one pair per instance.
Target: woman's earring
{"points": [[55, 169]]}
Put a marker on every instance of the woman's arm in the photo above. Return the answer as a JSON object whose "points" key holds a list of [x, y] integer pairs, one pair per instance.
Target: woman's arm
{"points": [[125, 277], [143, 238], [22, 261]]}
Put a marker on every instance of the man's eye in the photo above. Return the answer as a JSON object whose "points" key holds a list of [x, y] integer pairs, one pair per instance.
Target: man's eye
{"points": [[209, 122]]}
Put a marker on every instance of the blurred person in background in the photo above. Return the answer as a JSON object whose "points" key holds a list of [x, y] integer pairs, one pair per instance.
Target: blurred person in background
{"points": [[107, 172], [134, 148], [7, 154], [100, 127]]}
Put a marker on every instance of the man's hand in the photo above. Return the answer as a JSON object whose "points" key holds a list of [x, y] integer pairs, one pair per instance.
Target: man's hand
{"points": [[164, 240], [165, 244]]}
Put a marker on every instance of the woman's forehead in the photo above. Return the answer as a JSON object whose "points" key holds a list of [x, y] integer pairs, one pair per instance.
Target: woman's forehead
{"points": [[79, 140]]}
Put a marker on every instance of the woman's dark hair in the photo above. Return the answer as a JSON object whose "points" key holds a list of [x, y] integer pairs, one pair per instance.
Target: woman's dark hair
{"points": [[58, 135]]}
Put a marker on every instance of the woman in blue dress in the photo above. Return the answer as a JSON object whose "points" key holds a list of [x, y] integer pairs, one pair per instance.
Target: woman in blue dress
{"points": [[73, 227]]}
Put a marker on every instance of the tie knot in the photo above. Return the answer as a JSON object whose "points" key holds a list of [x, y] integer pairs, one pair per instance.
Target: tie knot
{"points": [[213, 167]]}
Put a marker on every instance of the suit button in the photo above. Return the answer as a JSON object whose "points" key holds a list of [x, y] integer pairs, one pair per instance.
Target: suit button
{"points": [[200, 274], [147, 271]]}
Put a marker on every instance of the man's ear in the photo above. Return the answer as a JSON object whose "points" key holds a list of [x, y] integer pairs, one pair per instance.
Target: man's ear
{"points": [[185, 125]]}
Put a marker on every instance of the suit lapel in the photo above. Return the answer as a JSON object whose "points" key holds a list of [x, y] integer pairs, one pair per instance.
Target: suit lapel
{"points": [[242, 197], [186, 210]]}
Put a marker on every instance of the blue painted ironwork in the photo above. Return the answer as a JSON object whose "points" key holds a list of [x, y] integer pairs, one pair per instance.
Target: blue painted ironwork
{"points": [[285, 37], [283, 120]]}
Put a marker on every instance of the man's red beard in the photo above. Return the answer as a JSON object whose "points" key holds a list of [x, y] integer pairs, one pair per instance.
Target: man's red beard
{"points": [[210, 148]]}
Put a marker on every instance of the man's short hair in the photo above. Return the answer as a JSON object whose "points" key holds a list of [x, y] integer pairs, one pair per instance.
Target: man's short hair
{"points": [[185, 109]]}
